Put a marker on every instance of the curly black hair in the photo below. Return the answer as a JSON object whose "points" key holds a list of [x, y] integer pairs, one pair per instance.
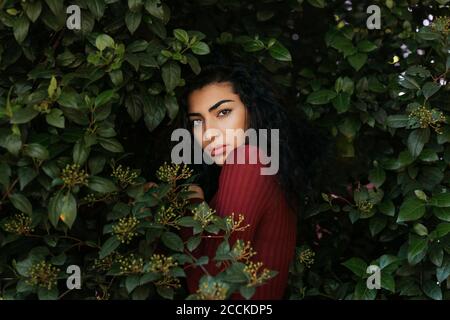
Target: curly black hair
{"points": [[303, 148]]}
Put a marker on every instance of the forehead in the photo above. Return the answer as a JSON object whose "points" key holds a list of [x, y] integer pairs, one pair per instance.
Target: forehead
{"points": [[202, 99]]}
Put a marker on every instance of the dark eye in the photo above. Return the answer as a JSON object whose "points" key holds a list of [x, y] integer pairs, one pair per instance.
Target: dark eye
{"points": [[223, 112]]}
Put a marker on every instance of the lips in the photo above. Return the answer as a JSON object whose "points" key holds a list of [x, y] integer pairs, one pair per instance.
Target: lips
{"points": [[218, 150]]}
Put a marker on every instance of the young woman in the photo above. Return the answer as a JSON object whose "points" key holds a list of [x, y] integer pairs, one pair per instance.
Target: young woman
{"points": [[234, 98]]}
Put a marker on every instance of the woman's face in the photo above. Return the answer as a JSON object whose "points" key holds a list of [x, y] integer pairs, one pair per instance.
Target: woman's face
{"points": [[218, 119]]}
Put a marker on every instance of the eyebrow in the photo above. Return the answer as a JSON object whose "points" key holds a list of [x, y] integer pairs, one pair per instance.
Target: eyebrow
{"points": [[213, 107]]}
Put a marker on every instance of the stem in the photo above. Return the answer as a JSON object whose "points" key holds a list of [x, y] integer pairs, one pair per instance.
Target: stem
{"points": [[10, 189]]}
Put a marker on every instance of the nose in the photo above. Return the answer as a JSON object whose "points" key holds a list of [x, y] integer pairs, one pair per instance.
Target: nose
{"points": [[210, 134]]}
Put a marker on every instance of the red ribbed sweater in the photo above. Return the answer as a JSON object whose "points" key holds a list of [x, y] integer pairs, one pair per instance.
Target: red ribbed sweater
{"points": [[272, 231]]}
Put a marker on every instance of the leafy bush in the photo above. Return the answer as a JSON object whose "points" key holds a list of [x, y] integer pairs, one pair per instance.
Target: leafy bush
{"points": [[77, 106]]}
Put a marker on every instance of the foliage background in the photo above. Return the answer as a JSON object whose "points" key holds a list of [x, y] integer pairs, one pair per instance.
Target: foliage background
{"points": [[106, 96]]}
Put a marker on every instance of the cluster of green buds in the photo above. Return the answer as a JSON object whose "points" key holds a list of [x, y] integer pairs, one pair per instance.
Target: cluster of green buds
{"points": [[306, 257], [20, 224], [131, 264], [212, 290], [364, 206], [256, 274], [168, 282], [160, 263], [43, 274], [170, 173], [125, 176], [235, 225], [167, 216], [125, 228], [441, 24], [428, 118], [43, 107], [203, 214], [105, 264], [243, 251], [72, 175]]}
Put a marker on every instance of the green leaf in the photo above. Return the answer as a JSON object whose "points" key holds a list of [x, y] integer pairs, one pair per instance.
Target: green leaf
{"points": [[110, 144], [366, 46], [165, 292], [33, 10], [247, 292], [426, 33], [443, 272], [131, 282], [172, 241], [20, 27], [21, 203], [377, 224], [68, 211], [12, 143], [181, 35], [109, 246], [37, 151], [171, 105], [26, 175], [436, 255], [53, 208], [154, 111], [133, 20], [171, 74], [253, 45], [317, 3], [357, 60], [55, 118], [429, 89], [193, 243], [357, 266], [46, 294], [102, 185], [280, 52], [364, 293], [80, 152], [417, 249], [154, 7], [97, 7], [416, 141], [105, 97], [377, 176], [387, 282], [320, 97], [104, 41], [24, 115], [442, 213], [397, 121], [441, 230], [56, 6], [432, 290], [342, 102], [441, 200], [200, 48], [411, 209]]}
